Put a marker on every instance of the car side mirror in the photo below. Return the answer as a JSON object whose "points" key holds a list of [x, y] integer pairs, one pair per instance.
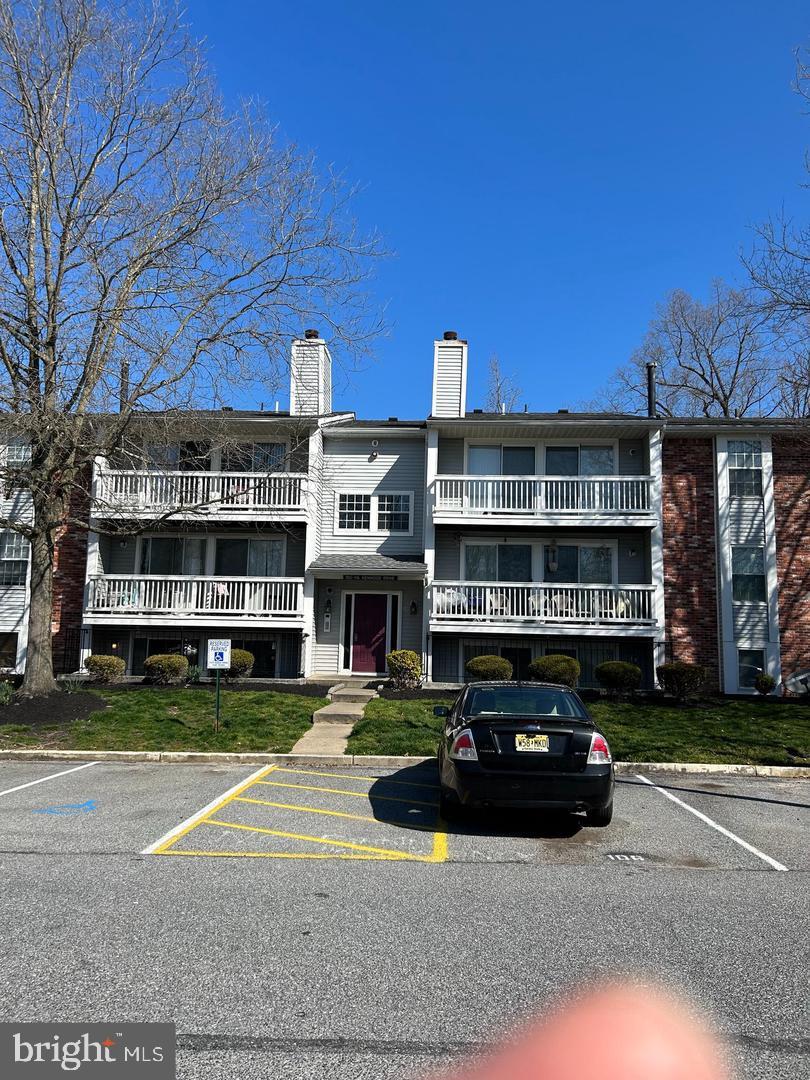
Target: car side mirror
{"points": [[441, 710]]}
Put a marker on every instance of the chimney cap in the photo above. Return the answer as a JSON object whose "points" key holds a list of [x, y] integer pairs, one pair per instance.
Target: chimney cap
{"points": [[311, 334], [450, 335]]}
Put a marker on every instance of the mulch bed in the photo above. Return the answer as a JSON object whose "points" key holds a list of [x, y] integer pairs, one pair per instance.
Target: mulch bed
{"points": [[59, 708]]}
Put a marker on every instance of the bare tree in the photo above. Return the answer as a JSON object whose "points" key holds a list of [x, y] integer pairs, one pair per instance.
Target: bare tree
{"points": [[158, 251], [720, 358], [503, 393]]}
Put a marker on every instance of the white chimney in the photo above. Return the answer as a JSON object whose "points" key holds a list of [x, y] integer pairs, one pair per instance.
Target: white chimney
{"points": [[310, 376], [449, 376]]}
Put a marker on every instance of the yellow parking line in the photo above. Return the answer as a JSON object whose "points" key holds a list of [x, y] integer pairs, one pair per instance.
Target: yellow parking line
{"points": [[313, 839], [336, 813], [195, 821], [368, 779], [340, 791], [288, 855]]}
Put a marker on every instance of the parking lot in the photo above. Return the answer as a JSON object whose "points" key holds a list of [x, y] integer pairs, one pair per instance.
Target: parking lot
{"points": [[305, 813], [297, 921]]}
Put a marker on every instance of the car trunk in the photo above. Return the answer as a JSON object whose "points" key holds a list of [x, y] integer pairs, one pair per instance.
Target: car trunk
{"points": [[532, 744]]}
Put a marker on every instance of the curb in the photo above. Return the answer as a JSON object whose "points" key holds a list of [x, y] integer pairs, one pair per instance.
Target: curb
{"points": [[199, 757]]}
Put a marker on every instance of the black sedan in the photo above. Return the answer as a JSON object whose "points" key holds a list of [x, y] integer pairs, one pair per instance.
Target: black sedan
{"points": [[530, 745]]}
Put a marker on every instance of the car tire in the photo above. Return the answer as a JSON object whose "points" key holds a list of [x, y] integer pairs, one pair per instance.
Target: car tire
{"points": [[600, 816]]}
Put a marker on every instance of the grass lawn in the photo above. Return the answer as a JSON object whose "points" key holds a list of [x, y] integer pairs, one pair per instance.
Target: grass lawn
{"points": [[748, 732], [149, 719]]}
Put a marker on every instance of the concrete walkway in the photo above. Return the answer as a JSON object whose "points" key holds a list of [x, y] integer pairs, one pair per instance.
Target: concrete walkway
{"points": [[332, 725]]}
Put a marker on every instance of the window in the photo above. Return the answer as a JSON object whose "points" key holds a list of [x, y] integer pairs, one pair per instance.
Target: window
{"points": [[354, 512], [13, 558], [255, 457], [388, 512], [750, 663], [173, 555], [579, 460], [589, 564], [249, 557], [744, 468], [748, 575], [18, 452], [394, 513], [8, 650], [498, 562], [520, 700]]}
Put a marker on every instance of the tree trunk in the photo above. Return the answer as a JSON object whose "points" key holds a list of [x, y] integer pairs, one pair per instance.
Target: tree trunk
{"points": [[39, 678]]}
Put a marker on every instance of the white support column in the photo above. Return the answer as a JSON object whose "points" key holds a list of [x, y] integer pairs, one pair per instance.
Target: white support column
{"points": [[657, 546], [773, 656], [431, 469], [314, 490], [92, 569]]}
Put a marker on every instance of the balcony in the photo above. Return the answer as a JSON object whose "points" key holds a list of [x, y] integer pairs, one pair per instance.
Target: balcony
{"points": [[544, 499], [151, 599], [482, 605], [231, 496]]}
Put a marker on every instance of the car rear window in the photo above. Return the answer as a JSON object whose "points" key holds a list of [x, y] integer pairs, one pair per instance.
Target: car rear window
{"points": [[522, 700]]}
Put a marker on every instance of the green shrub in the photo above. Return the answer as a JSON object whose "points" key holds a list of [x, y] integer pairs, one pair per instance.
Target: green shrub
{"points": [[765, 683], [618, 677], [194, 673], [105, 669], [486, 668], [680, 679], [165, 668], [555, 668], [405, 669], [242, 663], [6, 692]]}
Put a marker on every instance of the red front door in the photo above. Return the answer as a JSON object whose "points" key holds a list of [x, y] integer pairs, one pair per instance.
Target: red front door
{"points": [[368, 638]]}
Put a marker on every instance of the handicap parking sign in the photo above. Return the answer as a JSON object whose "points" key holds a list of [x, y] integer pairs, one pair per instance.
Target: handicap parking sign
{"points": [[219, 653]]}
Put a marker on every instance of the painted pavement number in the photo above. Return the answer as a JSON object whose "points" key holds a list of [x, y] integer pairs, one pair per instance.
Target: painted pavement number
{"points": [[300, 813]]}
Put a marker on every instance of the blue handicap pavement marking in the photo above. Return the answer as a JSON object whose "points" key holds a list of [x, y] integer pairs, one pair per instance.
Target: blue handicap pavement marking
{"points": [[66, 809]]}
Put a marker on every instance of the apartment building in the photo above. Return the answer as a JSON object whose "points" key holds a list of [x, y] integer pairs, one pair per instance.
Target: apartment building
{"points": [[320, 541]]}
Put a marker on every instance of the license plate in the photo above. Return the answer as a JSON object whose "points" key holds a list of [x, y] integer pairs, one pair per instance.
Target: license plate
{"points": [[532, 743]]}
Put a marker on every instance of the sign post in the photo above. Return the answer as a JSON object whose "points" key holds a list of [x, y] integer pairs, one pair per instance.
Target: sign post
{"points": [[219, 659]]}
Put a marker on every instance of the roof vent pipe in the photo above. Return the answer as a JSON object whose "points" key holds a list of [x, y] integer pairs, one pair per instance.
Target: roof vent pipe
{"points": [[652, 403]]}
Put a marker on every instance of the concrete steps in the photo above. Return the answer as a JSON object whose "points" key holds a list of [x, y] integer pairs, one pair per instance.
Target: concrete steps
{"points": [[332, 725]]}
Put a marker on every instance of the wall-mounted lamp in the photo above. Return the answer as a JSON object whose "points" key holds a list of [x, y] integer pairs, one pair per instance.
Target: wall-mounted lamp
{"points": [[374, 444], [114, 646], [553, 555], [124, 543], [414, 607], [327, 610]]}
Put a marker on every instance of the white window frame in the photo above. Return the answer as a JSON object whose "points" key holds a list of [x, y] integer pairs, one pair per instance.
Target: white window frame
{"points": [[23, 557], [374, 501]]}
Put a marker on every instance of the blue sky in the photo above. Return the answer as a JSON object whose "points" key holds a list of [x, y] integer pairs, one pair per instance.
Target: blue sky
{"points": [[545, 173]]}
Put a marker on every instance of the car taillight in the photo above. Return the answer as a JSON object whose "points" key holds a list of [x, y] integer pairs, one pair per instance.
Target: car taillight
{"points": [[599, 753], [463, 748]]}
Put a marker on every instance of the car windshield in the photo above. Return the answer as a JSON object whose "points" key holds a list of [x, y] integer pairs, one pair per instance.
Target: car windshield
{"points": [[522, 701]]}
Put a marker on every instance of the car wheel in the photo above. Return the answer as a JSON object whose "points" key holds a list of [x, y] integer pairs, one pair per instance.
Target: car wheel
{"points": [[601, 815]]}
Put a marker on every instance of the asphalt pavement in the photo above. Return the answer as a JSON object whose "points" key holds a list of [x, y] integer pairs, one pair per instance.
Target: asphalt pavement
{"points": [[305, 922]]}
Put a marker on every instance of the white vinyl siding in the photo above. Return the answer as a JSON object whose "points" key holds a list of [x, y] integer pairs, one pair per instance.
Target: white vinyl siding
{"points": [[449, 378], [352, 466]]}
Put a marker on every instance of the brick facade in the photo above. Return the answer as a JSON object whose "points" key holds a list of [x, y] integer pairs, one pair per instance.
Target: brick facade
{"points": [[70, 563], [690, 562], [791, 490]]}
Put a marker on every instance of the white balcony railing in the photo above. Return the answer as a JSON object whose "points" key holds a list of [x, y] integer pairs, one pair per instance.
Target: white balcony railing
{"points": [[584, 496], [205, 493], [148, 594], [473, 602]]}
